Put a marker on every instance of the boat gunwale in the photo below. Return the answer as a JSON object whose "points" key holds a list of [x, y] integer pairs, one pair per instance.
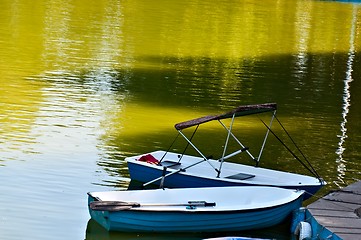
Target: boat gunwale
{"points": [[300, 194]]}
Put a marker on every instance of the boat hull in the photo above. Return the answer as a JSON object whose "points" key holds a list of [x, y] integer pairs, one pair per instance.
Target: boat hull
{"points": [[203, 175], [211, 219]]}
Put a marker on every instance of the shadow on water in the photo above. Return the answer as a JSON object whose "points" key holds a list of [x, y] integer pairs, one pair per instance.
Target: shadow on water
{"points": [[96, 232], [212, 83]]}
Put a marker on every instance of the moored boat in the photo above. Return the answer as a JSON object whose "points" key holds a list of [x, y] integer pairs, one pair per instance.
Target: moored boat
{"points": [[172, 169], [179, 175], [193, 209]]}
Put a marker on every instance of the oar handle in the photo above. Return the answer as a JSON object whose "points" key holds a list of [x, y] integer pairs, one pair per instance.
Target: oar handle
{"points": [[201, 203]]}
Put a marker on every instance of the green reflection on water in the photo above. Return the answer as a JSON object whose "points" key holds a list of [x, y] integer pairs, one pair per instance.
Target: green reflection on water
{"points": [[109, 33]]}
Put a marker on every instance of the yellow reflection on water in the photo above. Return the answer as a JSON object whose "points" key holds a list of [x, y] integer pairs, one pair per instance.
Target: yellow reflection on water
{"points": [[140, 119], [39, 37], [88, 34]]}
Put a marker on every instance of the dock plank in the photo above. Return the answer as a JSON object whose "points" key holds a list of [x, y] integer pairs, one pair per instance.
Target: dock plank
{"points": [[355, 187], [348, 236], [331, 205], [345, 197], [333, 213], [339, 212], [340, 222], [338, 230]]}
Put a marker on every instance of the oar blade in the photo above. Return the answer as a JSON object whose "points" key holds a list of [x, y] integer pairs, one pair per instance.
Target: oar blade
{"points": [[112, 205]]}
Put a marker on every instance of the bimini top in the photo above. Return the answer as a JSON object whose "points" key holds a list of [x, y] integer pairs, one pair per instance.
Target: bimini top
{"points": [[239, 111]]}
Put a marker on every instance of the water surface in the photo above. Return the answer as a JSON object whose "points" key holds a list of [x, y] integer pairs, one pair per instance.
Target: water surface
{"points": [[84, 84]]}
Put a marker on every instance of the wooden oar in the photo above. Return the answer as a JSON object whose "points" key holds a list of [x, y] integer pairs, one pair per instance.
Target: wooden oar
{"points": [[120, 206]]}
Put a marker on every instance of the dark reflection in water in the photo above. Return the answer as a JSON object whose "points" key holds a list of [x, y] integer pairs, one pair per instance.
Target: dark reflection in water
{"points": [[201, 82], [95, 232]]}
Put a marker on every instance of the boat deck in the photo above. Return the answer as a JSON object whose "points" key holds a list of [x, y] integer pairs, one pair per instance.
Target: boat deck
{"points": [[340, 212]]}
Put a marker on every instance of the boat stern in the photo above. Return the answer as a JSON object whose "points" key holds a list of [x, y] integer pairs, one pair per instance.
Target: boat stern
{"points": [[101, 217]]}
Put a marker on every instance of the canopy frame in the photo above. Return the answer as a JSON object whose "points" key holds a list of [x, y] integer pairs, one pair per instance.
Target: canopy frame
{"points": [[237, 112]]}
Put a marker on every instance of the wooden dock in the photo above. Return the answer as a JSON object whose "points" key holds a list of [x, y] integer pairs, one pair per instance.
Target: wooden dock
{"points": [[340, 212]]}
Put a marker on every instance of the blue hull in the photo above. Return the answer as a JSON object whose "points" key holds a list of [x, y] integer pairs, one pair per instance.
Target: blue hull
{"points": [[238, 220], [317, 231], [145, 174]]}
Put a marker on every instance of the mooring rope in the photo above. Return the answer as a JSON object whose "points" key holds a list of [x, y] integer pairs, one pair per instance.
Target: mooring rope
{"points": [[293, 154], [294, 143]]}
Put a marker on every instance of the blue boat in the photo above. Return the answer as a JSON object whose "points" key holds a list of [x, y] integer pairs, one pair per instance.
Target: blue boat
{"points": [[173, 170], [193, 209]]}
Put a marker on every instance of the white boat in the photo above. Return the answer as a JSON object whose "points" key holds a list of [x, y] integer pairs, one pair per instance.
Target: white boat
{"points": [[193, 209], [171, 169]]}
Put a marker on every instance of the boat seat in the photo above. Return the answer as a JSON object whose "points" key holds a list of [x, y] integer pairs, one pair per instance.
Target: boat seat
{"points": [[171, 164], [241, 176]]}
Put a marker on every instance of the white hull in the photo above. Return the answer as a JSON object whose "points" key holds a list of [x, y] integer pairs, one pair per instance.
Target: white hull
{"points": [[203, 175]]}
